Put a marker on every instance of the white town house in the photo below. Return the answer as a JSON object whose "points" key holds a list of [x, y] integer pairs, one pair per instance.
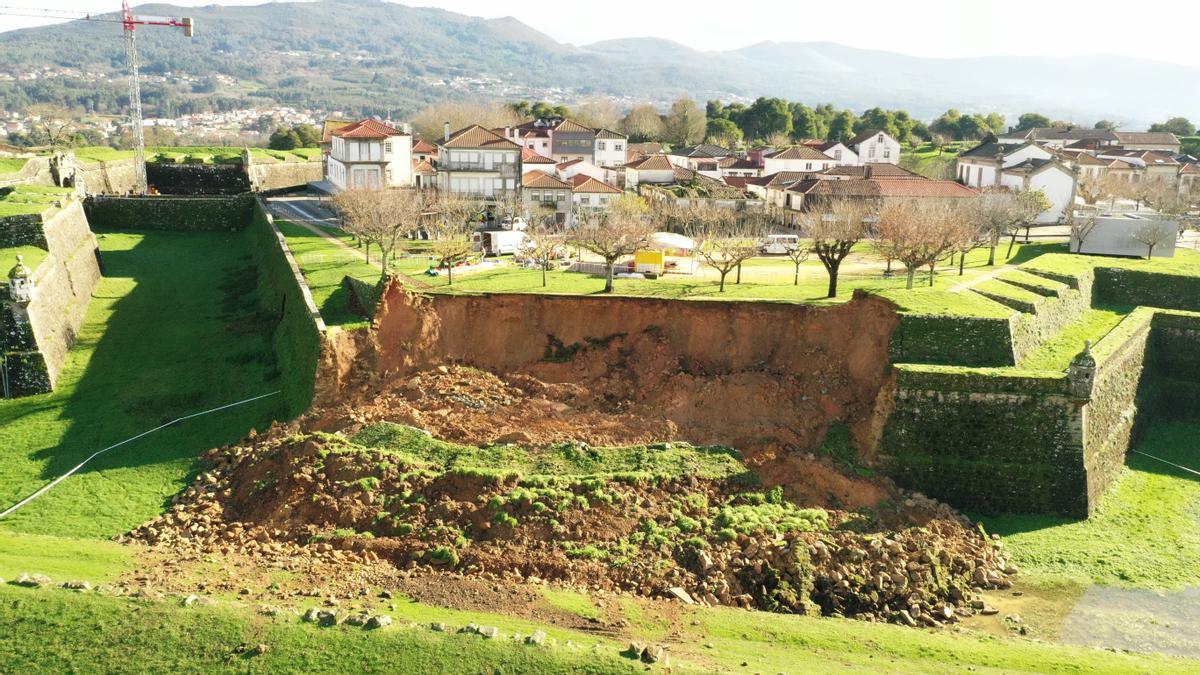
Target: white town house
{"points": [[873, 147], [369, 154]]}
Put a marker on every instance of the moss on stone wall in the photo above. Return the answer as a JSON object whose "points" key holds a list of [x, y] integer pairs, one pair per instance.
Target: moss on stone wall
{"points": [[22, 230], [1134, 287], [296, 339], [198, 179], [957, 340], [170, 213]]}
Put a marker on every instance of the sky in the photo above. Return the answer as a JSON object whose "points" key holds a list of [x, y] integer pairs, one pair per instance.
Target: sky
{"points": [[950, 28]]}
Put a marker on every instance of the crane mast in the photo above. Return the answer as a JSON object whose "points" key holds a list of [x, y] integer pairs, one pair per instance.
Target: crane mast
{"points": [[129, 23]]}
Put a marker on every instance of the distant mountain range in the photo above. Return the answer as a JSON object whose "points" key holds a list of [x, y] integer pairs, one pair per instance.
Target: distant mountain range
{"points": [[383, 57]]}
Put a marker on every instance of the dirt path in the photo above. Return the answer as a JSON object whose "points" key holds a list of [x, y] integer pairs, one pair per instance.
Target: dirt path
{"points": [[959, 288]]}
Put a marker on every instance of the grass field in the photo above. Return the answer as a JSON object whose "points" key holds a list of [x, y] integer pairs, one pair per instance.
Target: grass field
{"points": [[12, 164], [30, 199], [204, 154], [1144, 533], [168, 333]]}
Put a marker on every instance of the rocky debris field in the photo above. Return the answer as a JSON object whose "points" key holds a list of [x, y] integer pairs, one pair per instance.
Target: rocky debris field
{"points": [[692, 523]]}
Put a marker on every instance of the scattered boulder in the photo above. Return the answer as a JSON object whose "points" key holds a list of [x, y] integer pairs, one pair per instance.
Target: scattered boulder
{"points": [[538, 638], [489, 632], [681, 595], [654, 654], [379, 621], [77, 586], [360, 619], [437, 627], [32, 580]]}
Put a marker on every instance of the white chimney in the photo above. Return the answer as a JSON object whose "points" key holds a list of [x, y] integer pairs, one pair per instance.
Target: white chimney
{"points": [[446, 131]]}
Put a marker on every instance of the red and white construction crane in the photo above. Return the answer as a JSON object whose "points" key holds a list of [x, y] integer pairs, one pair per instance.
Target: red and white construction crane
{"points": [[129, 22]]}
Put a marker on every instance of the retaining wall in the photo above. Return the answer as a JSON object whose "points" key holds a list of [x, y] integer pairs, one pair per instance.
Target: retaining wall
{"points": [[170, 212], [283, 175], [197, 179], [36, 338], [115, 177]]}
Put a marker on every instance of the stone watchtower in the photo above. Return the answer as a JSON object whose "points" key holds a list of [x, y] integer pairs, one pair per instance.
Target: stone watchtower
{"points": [[1081, 374], [17, 341]]}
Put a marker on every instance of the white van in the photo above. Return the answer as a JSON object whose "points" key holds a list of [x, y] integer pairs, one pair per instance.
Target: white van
{"points": [[778, 244]]}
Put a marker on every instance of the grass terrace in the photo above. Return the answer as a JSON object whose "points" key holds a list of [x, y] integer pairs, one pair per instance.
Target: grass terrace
{"points": [[12, 164], [30, 199]]}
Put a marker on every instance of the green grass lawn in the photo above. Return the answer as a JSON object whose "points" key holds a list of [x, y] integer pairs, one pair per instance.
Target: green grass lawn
{"points": [[1057, 352], [49, 630], [172, 329], [324, 265], [12, 164], [8, 257], [30, 199], [1145, 531]]}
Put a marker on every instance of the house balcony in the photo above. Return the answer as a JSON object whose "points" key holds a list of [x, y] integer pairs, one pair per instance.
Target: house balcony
{"points": [[505, 170]]}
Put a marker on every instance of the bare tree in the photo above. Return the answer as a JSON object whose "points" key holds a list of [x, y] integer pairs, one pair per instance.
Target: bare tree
{"points": [[57, 122], [545, 244], [611, 235], [968, 235], [834, 231], [1081, 225], [798, 253], [1095, 187], [599, 113], [723, 240], [916, 233], [643, 123], [1153, 233], [509, 205], [429, 122], [381, 217], [455, 219], [1000, 212]]}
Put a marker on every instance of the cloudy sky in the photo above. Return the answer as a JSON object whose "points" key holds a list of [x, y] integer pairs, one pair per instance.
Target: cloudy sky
{"points": [[917, 27]]}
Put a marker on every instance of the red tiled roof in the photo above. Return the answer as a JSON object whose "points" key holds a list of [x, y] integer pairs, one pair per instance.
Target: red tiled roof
{"points": [[799, 152], [423, 166], [738, 182], [870, 187], [568, 163], [424, 148], [367, 129], [652, 163], [540, 180], [529, 156], [476, 136], [585, 183]]}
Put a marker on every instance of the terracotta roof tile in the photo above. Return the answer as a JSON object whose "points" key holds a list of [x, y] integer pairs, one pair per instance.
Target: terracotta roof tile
{"points": [[799, 152], [540, 180], [533, 157], [476, 136], [652, 163], [367, 129], [329, 126], [424, 148], [585, 183], [423, 166]]}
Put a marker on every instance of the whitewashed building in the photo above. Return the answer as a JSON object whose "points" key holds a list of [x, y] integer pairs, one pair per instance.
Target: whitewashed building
{"points": [[369, 154], [875, 147], [476, 162]]}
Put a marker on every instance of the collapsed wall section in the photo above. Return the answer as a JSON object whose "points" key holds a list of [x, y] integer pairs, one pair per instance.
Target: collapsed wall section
{"points": [[738, 373]]}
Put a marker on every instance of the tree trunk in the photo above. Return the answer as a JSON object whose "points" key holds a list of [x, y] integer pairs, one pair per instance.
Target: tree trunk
{"points": [[367, 246], [608, 279], [723, 275], [544, 266], [912, 275], [833, 280], [962, 261], [739, 274], [449, 274], [931, 276], [992, 253], [796, 281]]}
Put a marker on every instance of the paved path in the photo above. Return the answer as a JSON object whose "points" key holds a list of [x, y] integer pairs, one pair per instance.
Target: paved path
{"points": [[304, 213]]}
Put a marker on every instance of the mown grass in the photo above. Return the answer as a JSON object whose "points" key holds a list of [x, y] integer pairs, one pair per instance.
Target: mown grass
{"points": [[60, 631], [62, 558], [1057, 352], [33, 256], [1186, 262], [1145, 531], [172, 329], [12, 164], [324, 264], [29, 199]]}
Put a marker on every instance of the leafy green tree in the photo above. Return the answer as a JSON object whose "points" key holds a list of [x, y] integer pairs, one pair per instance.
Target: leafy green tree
{"points": [[947, 124], [642, 124], [1107, 125], [723, 132], [767, 117], [841, 127], [877, 119], [310, 136], [1029, 121], [804, 122], [994, 122], [1180, 126], [284, 139], [971, 127], [685, 124]]}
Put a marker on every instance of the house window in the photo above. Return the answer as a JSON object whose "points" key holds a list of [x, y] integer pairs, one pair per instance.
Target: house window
{"points": [[535, 196], [387, 147], [585, 200], [837, 154], [880, 138], [618, 146], [562, 196], [600, 145], [887, 154]]}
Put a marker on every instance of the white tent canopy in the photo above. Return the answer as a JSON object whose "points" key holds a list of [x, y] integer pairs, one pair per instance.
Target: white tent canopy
{"points": [[670, 240]]}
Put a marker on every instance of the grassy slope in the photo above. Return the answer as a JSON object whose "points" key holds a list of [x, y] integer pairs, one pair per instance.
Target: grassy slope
{"points": [[1145, 532], [162, 339], [43, 633], [1057, 352], [324, 265], [12, 164]]}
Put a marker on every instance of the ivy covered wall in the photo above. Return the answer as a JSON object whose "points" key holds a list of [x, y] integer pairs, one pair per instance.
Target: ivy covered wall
{"points": [[957, 340]]}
